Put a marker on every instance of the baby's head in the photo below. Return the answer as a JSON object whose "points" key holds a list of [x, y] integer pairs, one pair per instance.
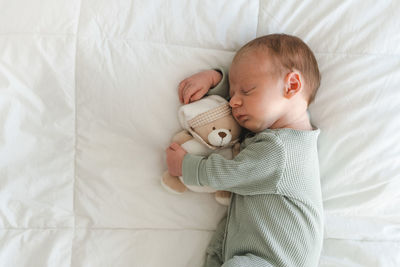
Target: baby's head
{"points": [[272, 80]]}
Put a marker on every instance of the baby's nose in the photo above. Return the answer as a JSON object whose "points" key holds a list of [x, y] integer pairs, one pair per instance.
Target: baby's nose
{"points": [[234, 102], [222, 134]]}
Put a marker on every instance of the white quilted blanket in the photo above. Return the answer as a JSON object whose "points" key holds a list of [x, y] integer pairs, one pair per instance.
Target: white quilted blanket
{"points": [[88, 104]]}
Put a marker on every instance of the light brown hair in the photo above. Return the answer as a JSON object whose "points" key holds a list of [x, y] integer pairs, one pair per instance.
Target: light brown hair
{"points": [[291, 53]]}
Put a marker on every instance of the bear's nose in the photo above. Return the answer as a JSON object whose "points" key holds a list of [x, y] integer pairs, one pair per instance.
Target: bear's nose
{"points": [[222, 134]]}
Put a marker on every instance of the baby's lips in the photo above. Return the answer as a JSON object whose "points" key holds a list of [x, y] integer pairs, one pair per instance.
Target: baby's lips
{"points": [[239, 116]]}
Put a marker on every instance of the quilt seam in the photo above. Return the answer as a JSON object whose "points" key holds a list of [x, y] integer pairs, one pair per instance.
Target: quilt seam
{"points": [[75, 132]]}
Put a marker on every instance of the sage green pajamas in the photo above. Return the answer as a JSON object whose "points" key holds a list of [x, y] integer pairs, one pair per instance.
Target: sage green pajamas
{"points": [[275, 215]]}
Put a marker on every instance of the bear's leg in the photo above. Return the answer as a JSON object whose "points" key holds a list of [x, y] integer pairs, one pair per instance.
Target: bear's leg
{"points": [[223, 197], [172, 183]]}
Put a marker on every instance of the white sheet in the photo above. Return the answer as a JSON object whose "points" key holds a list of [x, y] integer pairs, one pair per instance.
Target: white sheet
{"points": [[88, 104]]}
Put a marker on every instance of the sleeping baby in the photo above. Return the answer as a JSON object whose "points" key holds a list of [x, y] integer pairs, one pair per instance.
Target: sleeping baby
{"points": [[275, 217]]}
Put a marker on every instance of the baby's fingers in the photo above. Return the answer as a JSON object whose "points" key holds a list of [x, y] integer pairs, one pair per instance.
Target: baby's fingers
{"points": [[188, 92], [174, 146], [198, 95], [181, 86]]}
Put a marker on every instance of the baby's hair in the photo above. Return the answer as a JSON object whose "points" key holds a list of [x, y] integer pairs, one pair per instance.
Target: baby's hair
{"points": [[291, 53]]}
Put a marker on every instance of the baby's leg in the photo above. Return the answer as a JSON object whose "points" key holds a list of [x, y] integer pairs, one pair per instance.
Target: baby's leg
{"points": [[214, 249], [247, 260]]}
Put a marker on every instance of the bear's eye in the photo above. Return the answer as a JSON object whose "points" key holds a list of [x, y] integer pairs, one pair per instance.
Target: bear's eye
{"points": [[213, 128], [230, 130]]}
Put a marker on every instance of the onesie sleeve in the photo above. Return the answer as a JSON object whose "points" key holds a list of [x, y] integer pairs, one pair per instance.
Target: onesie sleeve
{"points": [[257, 169], [222, 88]]}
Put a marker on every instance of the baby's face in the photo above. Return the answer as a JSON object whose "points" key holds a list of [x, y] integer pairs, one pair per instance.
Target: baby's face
{"points": [[256, 91]]}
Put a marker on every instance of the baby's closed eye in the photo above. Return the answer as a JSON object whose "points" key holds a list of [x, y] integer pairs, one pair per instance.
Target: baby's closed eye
{"points": [[247, 90]]}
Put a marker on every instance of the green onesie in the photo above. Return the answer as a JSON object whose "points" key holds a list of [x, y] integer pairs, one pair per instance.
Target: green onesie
{"points": [[275, 217]]}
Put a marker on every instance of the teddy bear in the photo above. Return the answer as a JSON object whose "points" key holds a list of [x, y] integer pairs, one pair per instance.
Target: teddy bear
{"points": [[208, 127]]}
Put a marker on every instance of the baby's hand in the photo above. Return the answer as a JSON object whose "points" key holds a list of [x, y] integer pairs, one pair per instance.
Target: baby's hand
{"points": [[197, 85], [175, 155]]}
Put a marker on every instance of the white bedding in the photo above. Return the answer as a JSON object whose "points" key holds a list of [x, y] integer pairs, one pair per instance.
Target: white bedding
{"points": [[88, 103]]}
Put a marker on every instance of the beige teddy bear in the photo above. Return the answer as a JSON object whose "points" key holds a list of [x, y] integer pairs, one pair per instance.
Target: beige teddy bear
{"points": [[209, 127]]}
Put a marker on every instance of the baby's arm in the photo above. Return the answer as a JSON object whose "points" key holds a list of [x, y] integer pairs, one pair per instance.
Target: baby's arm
{"points": [[196, 86], [191, 89], [257, 169]]}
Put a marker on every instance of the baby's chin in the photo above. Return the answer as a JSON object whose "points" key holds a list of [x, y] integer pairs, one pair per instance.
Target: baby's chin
{"points": [[253, 126]]}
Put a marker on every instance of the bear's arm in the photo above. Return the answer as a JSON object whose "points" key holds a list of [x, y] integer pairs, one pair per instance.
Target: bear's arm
{"points": [[182, 137]]}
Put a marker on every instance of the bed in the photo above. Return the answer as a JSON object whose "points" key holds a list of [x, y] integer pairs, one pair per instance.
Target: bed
{"points": [[88, 104]]}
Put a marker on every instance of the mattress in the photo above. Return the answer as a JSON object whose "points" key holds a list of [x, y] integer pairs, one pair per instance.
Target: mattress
{"points": [[88, 104]]}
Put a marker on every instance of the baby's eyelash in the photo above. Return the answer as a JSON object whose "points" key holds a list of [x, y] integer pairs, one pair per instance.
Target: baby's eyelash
{"points": [[246, 91]]}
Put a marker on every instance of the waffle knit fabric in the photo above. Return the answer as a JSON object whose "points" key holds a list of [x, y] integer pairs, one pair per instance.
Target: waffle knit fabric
{"points": [[275, 215]]}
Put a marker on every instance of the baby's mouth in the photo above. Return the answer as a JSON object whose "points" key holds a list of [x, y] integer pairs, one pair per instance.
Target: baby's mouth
{"points": [[241, 117], [238, 115]]}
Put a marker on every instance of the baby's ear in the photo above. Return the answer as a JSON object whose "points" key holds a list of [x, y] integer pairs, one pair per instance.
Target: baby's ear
{"points": [[293, 84]]}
